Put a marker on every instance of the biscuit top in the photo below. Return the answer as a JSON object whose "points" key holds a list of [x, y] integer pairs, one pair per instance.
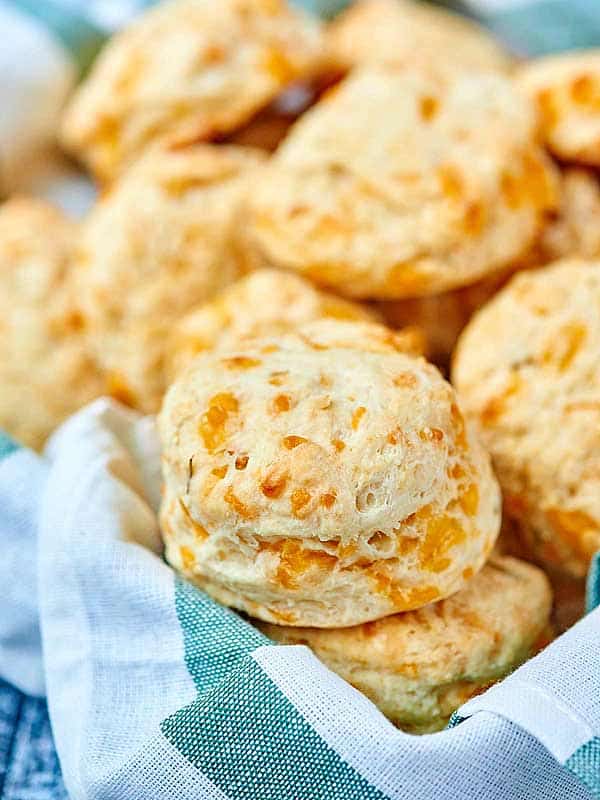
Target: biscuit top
{"points": [[405, 183], [404, 33], [481, 631], [566, 90], [527, 369], [266, 302], [189, 69], [160, 242], [332, 436]]}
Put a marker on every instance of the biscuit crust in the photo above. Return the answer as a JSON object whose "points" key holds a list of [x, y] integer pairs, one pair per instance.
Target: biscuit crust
{"points": [[265, 302], [160, 242], [404, 184], [527, 370], [189, 70], [576, 229], [405, 33], [46, 372], [420, 666], [323, 478], [441, 317], [566, 90]]}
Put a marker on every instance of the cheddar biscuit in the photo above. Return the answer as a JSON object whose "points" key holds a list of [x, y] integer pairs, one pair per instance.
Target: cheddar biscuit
{"points": [[265, 302], [527, 370], [575, 231], [323, 478], [405, 33], [160, 242], [420, 666], [403, 184], [566, 91], [189, 70], [45, 370], [441, 317]]}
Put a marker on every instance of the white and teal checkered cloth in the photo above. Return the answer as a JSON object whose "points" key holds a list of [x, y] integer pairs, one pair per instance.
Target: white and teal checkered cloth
{"points": [[153, 690]]}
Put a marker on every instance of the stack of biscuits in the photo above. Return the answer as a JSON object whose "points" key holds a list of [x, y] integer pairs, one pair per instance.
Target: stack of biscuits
{"points": [[297, 220]]}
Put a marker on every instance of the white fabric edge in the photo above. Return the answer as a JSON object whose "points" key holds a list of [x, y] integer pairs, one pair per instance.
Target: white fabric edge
{"points": [[81, 452], [535, 710]]}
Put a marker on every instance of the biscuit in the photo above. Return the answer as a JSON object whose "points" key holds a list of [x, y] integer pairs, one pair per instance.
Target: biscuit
{"points": [[576, 229], [265, 302], [404, 184], [45, 371], [440, 317], [322, 478], [420, 666], [527, 370], [405, 33], [160, 242], [189, 70], [566, 90]]}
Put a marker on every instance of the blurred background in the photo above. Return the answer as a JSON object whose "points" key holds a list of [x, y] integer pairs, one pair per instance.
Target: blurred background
{"points": [[49, 44]]}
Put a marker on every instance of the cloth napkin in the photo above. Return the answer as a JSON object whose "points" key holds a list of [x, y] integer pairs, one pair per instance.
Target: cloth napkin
{"points": [[155, 691]]}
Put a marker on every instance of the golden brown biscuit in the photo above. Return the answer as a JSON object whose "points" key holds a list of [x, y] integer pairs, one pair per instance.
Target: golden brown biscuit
{"points": [[158, 244], [45, 371], [188, 69], [527, 369], [568, 590], [323, 478], [404, 184], [441, 317], [266, 302], [420, 666], [576, 229], [566, 90], [407, 33]]}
